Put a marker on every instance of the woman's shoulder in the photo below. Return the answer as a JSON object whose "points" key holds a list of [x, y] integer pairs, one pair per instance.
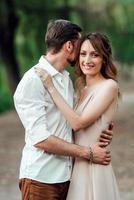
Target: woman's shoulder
{"points": [[109, 87], [110, 83]]}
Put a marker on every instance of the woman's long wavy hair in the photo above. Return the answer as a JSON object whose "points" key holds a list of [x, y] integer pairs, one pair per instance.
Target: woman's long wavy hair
{"points": [[101, 44]]}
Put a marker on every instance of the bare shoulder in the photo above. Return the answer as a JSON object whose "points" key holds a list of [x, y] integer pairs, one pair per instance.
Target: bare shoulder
{"points": [[111, 84]]}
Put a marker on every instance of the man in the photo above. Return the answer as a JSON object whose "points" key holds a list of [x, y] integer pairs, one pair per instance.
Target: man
{"points": [[46, 160]]}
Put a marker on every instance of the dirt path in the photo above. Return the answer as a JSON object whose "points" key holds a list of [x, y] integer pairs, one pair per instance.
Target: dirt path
{"points": [[12, 139], [123, 147]]}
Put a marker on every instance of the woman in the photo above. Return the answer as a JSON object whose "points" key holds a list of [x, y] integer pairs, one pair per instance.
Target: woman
{"points": [[97, 97]]}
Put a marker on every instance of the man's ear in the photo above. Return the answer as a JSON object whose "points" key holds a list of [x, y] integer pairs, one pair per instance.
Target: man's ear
{"points": [[68, 46]]}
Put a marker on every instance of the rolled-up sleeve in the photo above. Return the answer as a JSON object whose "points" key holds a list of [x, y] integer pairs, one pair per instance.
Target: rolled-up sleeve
{"points": [[29, 100]]}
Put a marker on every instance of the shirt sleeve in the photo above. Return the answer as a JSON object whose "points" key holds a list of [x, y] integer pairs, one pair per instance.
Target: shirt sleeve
{"points": [[29, 100]]}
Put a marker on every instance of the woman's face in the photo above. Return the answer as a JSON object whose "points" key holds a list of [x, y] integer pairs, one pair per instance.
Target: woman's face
{"points": [[90, 60]]}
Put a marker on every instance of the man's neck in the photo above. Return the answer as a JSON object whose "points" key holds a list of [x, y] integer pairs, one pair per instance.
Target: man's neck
{"points": [[57, 61]]}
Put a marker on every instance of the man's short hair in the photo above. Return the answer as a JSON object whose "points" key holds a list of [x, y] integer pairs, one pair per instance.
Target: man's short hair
{"points": [[59, 32]]}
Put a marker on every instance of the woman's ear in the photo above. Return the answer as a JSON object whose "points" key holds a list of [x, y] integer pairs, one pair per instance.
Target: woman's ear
{"points": [[68, 46]]}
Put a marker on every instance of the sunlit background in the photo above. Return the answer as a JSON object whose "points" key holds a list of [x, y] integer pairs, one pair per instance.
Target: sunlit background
{"points": [[22, 29]]}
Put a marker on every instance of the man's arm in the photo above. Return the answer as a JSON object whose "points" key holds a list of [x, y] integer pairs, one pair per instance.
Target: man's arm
{"points": [[31, 107], [58, 146]]}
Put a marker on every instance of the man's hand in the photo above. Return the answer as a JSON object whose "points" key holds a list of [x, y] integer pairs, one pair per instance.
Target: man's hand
{"points": [[107, 135], [100, 155]]}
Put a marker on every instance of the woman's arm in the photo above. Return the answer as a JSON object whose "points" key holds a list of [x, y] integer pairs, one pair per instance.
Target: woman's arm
{"points": [[93, 110]]}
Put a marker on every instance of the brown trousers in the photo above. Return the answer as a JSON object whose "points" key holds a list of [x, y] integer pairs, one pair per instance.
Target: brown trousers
{"points": [[34, 190]]}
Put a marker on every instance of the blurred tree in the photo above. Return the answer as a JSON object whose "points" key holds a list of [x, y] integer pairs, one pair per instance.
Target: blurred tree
{"points": [[8, 26]]}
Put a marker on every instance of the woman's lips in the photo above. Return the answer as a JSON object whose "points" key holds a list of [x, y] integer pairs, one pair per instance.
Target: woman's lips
{"points": [[88, 66]]}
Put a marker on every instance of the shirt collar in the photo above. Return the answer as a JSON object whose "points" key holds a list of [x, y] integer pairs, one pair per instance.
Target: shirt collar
{"points": [[44, 63]]}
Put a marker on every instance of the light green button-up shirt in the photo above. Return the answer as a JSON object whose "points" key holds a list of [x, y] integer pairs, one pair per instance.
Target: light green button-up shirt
{"points": [[41, 118]]}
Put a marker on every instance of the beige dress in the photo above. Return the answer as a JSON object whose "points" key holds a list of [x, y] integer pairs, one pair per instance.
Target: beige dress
{"points": [[93, 181]]}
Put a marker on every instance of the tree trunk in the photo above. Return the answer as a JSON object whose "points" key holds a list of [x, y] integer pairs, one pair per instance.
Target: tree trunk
{"points": [[8, 25]]}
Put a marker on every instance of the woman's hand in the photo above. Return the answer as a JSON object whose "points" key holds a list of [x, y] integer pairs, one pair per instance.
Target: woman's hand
{"points": [[45, 78]]}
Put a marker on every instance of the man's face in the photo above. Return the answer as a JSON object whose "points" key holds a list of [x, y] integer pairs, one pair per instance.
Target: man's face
{"points": [[72, 58]]}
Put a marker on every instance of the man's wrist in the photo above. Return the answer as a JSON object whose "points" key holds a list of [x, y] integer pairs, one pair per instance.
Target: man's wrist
{"points": [[88, 154]]}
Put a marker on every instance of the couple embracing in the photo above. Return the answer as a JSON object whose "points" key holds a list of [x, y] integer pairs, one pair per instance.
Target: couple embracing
{"points": [[66, 153]]}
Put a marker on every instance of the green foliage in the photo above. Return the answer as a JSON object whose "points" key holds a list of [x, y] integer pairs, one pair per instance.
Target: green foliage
{"points": [[115, 18], [5, 97], [5, 101], [112, 17]]}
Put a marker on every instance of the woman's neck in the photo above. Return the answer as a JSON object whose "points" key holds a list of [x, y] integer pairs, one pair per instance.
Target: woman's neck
{"points": [[91, 81]]}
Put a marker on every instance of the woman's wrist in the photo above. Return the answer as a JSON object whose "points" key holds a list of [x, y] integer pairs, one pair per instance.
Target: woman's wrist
{"points": [[88, 154], [51, 89]]}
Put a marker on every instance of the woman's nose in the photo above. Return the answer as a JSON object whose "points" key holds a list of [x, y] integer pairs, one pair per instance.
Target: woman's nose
{"points": [[88, 59]]}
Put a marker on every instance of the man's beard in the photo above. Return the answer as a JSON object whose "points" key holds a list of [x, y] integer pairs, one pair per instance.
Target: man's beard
{"points": [[71, 62]]}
